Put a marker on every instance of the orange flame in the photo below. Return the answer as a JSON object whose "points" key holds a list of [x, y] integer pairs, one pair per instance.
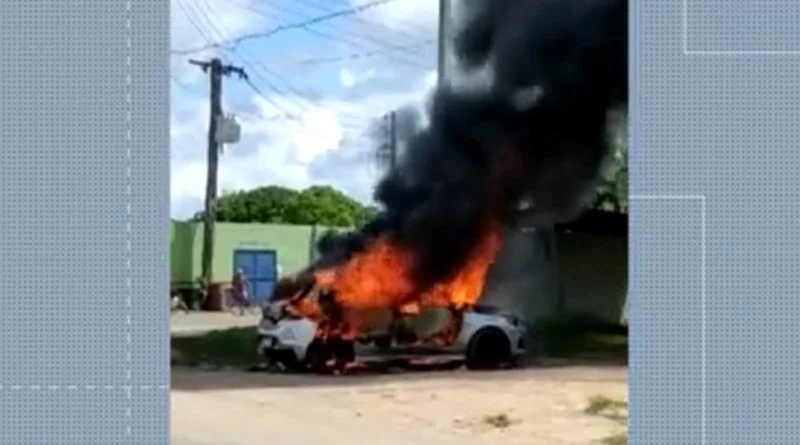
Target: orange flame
{"points": [[379, 278]]}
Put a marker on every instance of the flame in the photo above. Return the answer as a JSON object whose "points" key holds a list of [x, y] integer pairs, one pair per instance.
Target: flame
{"points": [[380, 278]]}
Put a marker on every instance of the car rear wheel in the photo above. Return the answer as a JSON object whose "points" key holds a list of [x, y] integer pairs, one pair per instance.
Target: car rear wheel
{"points": [[383, 343], [489, 348], [293, 364]]}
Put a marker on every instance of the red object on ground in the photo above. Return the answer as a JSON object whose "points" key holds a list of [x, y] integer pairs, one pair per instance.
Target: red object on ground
{"points": [[215, 301]]}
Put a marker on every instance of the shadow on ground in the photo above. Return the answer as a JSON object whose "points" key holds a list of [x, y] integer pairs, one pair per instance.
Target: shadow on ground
{"points": [[187, 379], [222, 360]]}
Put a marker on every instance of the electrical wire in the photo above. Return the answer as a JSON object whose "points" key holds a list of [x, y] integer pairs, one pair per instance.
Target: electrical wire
{"points": [[194, 23], [355, 39], [347, 37], [246, 60], [182, 85], [370, 23], [232, 43], [194, 15], [357, 55]]}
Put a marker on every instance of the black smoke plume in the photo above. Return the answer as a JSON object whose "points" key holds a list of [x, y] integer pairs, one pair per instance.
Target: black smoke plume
{"points": [[537, 135]]}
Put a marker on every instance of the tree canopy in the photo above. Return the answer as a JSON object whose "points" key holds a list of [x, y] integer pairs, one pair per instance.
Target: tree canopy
{"points": [[612, 192], [317, 205]]}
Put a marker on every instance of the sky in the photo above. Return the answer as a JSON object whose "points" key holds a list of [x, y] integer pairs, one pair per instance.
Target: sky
{"points": [[312, 96]]}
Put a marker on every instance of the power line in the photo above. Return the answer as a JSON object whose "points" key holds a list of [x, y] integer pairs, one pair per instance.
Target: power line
{"points": [[201, 30], [319, 7], [195, 15], [182, 84], [248, 63], [358, 55], [346, 37], [282, 112], [293, 91], [357, 39], [232, 43], [222, 35], [204, 32]]}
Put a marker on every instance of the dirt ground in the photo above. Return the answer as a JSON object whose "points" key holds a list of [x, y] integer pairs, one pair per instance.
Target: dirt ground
{"points": [[541, 406]]}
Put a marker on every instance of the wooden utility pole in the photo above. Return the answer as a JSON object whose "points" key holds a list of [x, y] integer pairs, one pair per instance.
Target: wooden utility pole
{"points": [[216, 70], [444, 34], [313, 238], [392, 141]]}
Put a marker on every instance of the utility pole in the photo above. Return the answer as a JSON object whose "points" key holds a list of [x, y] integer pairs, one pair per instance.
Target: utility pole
{"points": [[392, 141], [313, 238], [389, 138], [444, 35], [216, 70]]}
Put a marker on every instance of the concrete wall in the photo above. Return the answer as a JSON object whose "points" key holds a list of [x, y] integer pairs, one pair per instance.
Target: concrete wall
{"points": [[291, 243], [524, 277], [594, 275], [542, 275]]}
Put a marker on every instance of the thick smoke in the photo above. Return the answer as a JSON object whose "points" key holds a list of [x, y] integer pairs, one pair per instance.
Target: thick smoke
{"points": [[536, 135], [407, 122]]}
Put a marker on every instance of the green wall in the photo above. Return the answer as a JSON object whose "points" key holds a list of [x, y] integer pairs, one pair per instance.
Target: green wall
{"points": [[292, 244], [572, 275], [181, 237]]}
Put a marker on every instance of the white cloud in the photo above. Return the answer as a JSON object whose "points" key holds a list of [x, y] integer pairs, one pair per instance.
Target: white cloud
{"points": [[322, 143], [349, 79], [405, 14], [346, 77], [317, 146]]}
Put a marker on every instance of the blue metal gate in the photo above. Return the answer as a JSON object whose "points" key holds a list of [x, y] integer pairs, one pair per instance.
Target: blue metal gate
{"points": [[261, 269]]}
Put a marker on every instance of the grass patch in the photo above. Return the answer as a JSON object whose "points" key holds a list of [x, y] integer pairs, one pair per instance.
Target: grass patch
{"points": [[615, 439], [602, 406], [616, 410], [233, 347], [581, 339], [499, 421]]}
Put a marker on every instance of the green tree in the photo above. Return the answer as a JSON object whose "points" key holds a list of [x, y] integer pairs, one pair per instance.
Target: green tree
{"points": [[321, 205], [612, 192]]}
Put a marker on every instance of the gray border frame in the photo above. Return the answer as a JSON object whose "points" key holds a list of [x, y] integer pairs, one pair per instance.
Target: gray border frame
{"points": [[84, 212], [84, 193], [713, 118]]}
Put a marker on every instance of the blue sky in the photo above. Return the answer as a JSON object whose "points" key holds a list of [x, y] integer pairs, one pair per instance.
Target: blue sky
{"points": [[316, 90]]}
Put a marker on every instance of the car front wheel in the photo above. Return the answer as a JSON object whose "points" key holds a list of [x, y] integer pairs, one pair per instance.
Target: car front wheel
{"points": [[488, 349]]}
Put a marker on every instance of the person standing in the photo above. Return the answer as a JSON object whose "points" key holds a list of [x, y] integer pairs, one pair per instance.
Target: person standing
{"points": [[241, 288]]}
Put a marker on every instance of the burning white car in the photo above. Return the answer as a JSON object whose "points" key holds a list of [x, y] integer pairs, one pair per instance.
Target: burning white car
{"points": [[487, 339]]}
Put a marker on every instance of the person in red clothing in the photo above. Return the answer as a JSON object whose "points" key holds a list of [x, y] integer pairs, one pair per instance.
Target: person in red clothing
{"points": [[241, 287]]}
